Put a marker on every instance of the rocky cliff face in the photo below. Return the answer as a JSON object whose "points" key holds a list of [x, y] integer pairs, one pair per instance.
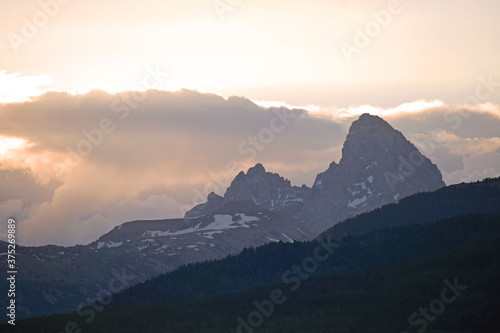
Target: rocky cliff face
{"points": [[269, 191], [265, 189], [378, 166]]}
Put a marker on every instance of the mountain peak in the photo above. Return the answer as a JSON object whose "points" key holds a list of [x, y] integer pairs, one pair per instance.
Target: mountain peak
{"points": [[369, 124], [367, 116], [213, 196], [265, 189], [378, 166], [214, 202], [372, 138], [258, 169]]}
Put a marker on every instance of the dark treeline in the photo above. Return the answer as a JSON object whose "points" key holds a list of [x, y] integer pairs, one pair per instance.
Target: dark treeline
{"points": [[381, 262], [413, 263], [264, 266]]}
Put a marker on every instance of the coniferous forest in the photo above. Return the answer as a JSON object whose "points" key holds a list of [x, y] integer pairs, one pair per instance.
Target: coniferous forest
{"points": [[379, 282]]}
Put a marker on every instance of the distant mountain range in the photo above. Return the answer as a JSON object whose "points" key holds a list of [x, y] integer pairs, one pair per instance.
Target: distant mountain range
{"points": [[57, 279], [370, 273], [378, 166], [423, 208]]}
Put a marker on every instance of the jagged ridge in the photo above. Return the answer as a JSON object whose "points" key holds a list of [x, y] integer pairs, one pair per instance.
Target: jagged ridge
{"points": [[378, 166]]}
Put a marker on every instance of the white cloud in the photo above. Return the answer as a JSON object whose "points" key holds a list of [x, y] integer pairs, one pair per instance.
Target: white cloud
{"points": [[15, 87], [476, 167], [411, 107]]}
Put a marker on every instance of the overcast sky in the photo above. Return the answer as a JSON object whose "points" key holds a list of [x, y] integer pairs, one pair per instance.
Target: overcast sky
{"points": [[429, 67]]}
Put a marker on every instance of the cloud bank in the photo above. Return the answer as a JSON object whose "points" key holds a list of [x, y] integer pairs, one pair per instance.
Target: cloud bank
{"points": [[74, 166]]}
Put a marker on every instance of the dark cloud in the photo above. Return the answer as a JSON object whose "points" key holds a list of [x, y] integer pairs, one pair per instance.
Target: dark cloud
{"points": [[20, 184]]}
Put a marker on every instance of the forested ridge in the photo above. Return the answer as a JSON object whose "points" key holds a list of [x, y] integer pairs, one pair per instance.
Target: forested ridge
{"points": [[417, 259]]}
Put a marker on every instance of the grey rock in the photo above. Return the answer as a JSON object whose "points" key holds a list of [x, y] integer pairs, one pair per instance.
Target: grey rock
{"points": [[269, 191], [378, 166]]}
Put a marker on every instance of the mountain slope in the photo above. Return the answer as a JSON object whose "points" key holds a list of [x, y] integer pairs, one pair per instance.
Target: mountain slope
{"points": [[460, 254], [56, 279], [235, 274], [454, 200]]}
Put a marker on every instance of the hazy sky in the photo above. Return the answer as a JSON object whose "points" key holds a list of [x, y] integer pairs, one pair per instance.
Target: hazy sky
{"points": [[265, 50], [429, 67]]}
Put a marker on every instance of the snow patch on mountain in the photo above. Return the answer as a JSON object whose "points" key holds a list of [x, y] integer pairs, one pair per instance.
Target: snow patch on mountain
{"points": [[210, 234], [356, 202], [109, 244], [113, 244], [289, 239], [220, 223]]}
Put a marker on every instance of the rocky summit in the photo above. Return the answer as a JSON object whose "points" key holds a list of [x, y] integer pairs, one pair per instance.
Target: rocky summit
{"points": [[265, 189], [214, 202], [269, 191], [378, 166]]}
